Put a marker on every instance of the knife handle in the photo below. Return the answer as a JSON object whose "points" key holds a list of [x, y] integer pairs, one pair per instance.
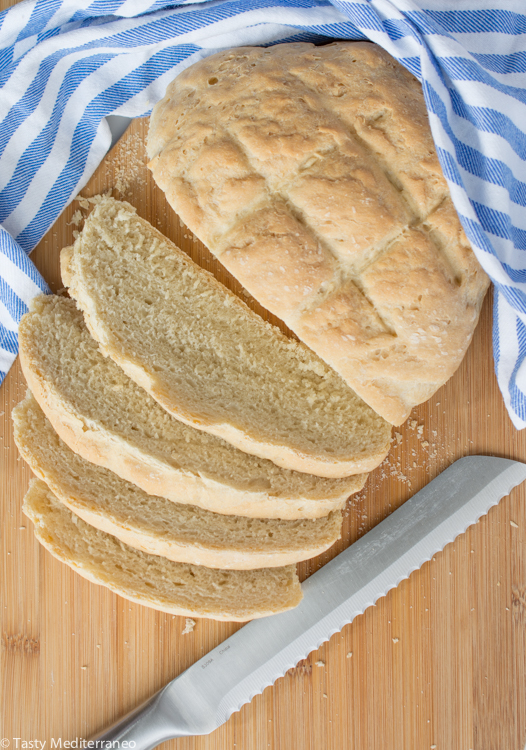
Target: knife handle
{"points": [[143, 728]]}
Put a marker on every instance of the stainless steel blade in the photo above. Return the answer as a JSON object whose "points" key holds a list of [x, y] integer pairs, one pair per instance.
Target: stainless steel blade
{"points": [[203, 697]]}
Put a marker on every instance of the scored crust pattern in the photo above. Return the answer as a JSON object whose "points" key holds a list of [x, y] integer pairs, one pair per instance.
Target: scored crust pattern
{"points": [[310, 172]]}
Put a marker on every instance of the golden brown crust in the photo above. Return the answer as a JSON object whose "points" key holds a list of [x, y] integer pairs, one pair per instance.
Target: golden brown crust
{"points": [[319, 188]]}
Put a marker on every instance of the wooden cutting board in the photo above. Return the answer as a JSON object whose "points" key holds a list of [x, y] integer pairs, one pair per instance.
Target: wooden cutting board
{"points": [[440, 662]]}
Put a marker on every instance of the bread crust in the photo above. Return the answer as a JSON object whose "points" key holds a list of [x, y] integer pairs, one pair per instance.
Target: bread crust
{"points": [[311, 174]]}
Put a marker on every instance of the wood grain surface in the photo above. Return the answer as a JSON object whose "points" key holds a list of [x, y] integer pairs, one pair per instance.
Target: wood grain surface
{"points": [[438, 663]]}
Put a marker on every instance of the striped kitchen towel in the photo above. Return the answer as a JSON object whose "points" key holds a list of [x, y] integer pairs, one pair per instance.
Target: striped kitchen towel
{"points": [[67, 64]]}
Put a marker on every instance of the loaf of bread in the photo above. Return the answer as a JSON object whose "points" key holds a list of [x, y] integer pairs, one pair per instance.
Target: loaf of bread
{"points": [[207, 358], [107, 419], [311, 173], [177, 588], [161, 527]]}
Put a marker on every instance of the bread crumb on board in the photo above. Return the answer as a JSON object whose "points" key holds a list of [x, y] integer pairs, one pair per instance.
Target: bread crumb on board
{"points": [[415, 447], [189, 626], [129, 163], [77, 218]]}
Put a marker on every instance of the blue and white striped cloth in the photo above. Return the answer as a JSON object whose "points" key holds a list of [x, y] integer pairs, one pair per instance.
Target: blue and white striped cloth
{"points": [[66, 64]]}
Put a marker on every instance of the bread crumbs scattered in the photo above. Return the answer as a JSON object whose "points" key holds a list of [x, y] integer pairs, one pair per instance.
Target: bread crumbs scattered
{"points": [[86, 201], [349, 654], [392, 467], [76, 218], [515, 525], [395, 640], [189, 626], [320, 663], [129, 162], [83, 202]]}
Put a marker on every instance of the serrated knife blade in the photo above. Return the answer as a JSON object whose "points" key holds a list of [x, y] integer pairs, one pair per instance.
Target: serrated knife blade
{"points": [[205, 695]]}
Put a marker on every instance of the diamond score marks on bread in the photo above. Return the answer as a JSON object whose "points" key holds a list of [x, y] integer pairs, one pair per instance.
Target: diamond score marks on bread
{"points": [[311, 174], [207, 359]]}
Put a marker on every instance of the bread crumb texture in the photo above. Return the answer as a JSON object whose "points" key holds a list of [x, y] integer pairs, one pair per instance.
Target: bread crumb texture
{"points": [[207, 358], [154, 524], [311, 173], [189, 626], [177, 588], [104, 416]]}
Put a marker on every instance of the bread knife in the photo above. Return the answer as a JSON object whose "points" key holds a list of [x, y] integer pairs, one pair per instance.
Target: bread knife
{"points": [[203, 697]]}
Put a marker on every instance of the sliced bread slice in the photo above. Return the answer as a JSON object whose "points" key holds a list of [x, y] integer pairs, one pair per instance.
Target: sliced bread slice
{"points": [[161, 527], [207, 358], [177, 588], [109, 420]]}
